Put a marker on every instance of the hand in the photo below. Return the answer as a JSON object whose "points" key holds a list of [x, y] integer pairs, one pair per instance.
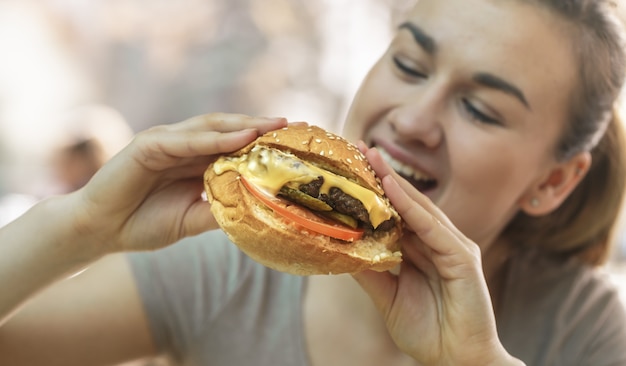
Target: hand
{"points": [[149, 195], [437, 309]]}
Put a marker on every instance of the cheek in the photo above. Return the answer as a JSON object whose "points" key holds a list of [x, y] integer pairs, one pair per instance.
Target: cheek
{"points": [[494, 171], [486, 184]]}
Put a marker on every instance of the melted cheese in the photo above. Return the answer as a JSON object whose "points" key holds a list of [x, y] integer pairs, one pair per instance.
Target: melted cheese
{"points": [[271, 169]]}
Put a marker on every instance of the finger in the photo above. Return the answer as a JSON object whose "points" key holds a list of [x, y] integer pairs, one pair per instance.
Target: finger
{"points": [[187, 171], [425, 224], [211, 143], [380, 286], [453, 255], [362, 147], [160, 148], [382, 169], [199, 219], [418, 254], [298, 123], [380, 166], [229, 122]]}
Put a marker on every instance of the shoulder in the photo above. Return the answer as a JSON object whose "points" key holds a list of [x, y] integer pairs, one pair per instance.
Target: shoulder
{"points": [[209, 260], [555, 312], [204, 286]]}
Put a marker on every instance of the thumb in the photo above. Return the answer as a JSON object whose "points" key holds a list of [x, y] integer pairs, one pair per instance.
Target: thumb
{"points": [[380, 286]]}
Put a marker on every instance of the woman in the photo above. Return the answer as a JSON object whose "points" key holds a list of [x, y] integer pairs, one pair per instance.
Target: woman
{"points": [[499, 112]]}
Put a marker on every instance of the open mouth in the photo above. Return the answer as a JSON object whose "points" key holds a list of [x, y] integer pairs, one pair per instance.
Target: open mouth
{"points": [[418, 179]]}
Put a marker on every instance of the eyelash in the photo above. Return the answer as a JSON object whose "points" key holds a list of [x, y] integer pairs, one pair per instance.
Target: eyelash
{"points": [[475, 114], [407, 70]]}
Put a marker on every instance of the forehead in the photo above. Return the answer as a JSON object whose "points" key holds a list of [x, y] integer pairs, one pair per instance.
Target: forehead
{"points": [[519, 41]]}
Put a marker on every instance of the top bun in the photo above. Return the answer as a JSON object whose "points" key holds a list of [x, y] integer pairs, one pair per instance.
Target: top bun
{"points": [[324, 149], [279, 244]]}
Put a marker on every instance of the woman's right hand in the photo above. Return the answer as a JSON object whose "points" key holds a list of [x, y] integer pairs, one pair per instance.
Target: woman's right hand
{"points": [[437, 309], [149, 194]]}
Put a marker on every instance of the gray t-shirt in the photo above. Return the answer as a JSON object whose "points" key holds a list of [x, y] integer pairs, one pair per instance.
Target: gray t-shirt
{"points": [[209, 304]]}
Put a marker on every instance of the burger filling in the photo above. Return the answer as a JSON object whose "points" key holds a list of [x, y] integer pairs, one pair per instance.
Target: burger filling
{"points": [[327, 194]]}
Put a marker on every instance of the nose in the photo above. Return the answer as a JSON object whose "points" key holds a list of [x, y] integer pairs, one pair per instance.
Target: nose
{"points": [[417, 118]]}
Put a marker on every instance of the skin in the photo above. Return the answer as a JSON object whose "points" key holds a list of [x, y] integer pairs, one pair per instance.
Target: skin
{"points": [[437, 311], [420, 104], [423, 121], [150, 197]]}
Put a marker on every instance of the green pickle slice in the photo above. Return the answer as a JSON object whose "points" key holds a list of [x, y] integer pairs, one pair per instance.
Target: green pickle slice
{"points": [[319, 206], [341, 218], [304, 199]]}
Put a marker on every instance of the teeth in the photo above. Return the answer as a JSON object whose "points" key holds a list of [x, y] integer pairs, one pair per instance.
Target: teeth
{"points": [[404, 169]]}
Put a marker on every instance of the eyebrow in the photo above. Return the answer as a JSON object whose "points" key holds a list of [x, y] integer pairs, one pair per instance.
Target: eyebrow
{"points": [[427, 42], [489, 80], [492, 81]]}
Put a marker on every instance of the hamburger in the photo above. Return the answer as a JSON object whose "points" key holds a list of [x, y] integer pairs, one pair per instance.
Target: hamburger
{"points": [[304, 201]]}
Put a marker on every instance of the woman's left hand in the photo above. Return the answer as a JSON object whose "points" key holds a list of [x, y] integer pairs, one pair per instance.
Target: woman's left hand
{"points": [[149, 195], [437, 309]]}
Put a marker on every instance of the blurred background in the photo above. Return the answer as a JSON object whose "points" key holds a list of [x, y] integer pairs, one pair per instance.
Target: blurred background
{"points": [[72, 71], [79, 77]]}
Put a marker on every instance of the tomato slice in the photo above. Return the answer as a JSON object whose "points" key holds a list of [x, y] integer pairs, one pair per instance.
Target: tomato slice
{"points": [[325, 227]]}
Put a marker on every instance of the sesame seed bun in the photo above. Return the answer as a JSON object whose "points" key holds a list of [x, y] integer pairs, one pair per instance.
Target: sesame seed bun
{"points": [[278, 243]]}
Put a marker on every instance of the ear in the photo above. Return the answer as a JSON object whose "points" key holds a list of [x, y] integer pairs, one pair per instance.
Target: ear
{"points": [[550, 191]]}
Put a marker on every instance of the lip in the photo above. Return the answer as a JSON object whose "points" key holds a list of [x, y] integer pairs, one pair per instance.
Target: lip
{"points": [[403, 156]]}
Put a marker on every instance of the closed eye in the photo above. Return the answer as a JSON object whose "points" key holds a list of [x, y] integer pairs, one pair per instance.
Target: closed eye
{"points": [[409, 71], [476, 114]]}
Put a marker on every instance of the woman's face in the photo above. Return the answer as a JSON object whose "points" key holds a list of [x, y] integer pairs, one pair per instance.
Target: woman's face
{"points": [[468, 103]]}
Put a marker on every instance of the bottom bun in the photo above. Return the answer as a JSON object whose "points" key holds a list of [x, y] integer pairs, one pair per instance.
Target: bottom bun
{"points": [[277, 244]]}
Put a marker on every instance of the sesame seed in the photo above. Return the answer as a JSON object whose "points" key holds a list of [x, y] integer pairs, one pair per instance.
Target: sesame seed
{"points": [[274, 134], [330, 152], [309, 129], [349, 161], [318, 140], [322, 152], [331, 137], [277, 140], [357, 170], [304, 142], [284, 128]]}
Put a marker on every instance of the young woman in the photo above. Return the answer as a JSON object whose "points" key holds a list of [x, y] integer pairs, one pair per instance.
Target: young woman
{"points": [[500, 113]]}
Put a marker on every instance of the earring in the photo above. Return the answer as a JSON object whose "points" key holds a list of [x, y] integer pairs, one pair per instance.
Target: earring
{"points": [[534, 202], [578, 170]]}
